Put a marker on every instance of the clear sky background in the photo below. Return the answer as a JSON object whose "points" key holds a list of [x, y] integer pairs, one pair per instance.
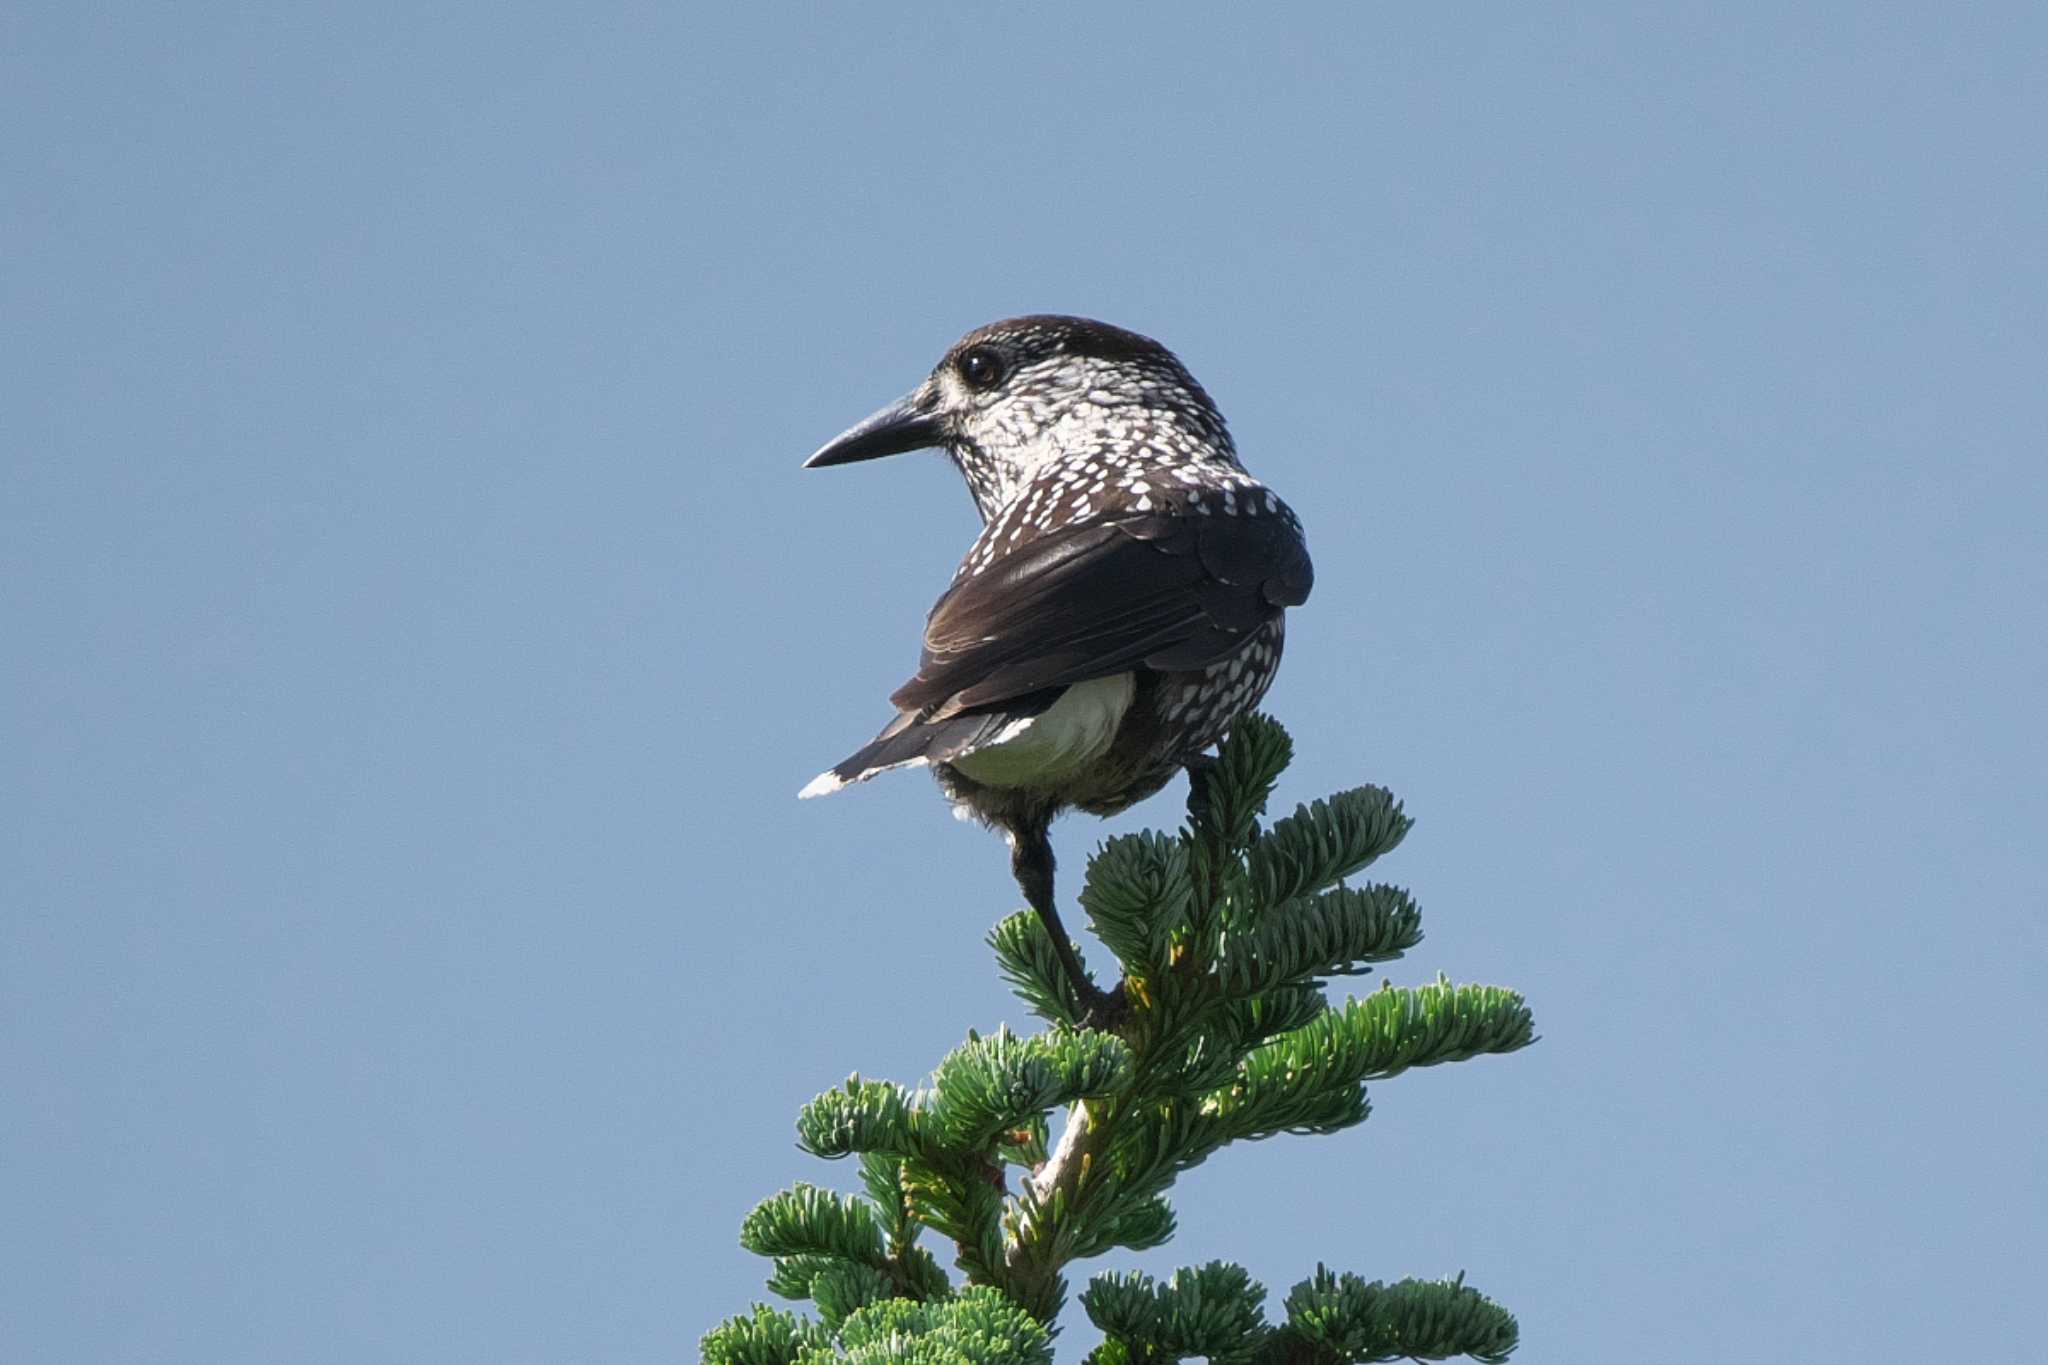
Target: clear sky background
{"points": [[415, 626]]}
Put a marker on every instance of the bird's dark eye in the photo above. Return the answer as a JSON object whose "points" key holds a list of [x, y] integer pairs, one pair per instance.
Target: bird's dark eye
{"points": [[981, 367]]}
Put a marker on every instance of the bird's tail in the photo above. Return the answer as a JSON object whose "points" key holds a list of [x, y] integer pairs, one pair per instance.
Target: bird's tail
{"points": [[909, 742]]}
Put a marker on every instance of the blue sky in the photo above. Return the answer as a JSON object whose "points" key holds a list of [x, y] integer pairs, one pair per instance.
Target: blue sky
{"points": [[417, 627]]}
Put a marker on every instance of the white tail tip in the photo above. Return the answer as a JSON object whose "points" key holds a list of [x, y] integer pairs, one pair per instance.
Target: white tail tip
{"points": [[824, 784]]}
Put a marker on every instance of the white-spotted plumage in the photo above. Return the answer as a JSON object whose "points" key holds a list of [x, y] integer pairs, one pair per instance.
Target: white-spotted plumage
{"points": [[1124, 603], [1097, 439]]}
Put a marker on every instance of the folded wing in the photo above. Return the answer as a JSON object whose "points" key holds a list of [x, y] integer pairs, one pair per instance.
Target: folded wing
{"points": [[1155, 589]]}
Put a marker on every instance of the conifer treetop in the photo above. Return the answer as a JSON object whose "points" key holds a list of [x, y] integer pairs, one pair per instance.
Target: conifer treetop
{"points": [[1227, 933]]}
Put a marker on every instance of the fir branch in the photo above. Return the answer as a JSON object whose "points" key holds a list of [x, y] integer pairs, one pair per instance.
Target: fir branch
{"points": [[1241, 780], [841, 1289], [1030, 963], [911, 1274], [965, 1208], [1023, 1145], [792, 1276], [882, 1176], [918, 1276], [1323, 842], [1211, 1311], [807, 1221], [980, 1327], [1220, 1035], [1385, 1033], [1309, 1081], [767, 1336], [1136, 1225], [861, 1116], [911, 1268], [1282, 1009], [1121, 1159], [1341, 1318], [1136, 891], [1000, 1083], [1332, 934]]}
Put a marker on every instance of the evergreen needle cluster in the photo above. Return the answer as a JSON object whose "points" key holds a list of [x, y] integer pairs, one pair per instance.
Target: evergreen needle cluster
{"points": [[1226, 934]]}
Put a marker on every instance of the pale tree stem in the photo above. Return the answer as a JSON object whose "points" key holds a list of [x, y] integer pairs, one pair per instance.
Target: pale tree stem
{"points": [[1065, 1162], [1033, 1257]]}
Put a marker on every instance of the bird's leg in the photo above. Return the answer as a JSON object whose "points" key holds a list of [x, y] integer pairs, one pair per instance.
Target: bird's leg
{"points": [[1199, 767], [1032, 862]]}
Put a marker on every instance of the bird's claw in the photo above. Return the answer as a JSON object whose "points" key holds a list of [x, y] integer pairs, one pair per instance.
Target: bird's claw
{"points": [[1104, 1010]]}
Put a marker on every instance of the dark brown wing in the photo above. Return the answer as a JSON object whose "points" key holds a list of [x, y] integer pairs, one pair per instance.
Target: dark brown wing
{"points": [[1155, 589]]}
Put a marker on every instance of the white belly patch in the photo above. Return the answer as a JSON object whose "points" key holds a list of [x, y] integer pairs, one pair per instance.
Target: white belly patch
{"points": [[1070, 734]]}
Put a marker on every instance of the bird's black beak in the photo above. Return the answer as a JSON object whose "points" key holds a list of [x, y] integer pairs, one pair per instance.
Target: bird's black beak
{"points": [[909, 423]]}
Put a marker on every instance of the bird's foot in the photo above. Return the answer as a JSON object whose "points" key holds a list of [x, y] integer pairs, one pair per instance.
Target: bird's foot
{"points": [[1104, 1009]]}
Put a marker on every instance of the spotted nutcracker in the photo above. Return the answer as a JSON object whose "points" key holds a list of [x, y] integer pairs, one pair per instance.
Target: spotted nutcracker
{"points": [[1125, 601]]}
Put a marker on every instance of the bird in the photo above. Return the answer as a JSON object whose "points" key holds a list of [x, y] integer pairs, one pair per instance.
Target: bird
{"points": [[1123, 605]]}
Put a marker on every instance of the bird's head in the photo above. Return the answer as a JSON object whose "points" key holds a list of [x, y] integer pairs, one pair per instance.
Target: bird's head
{"points": [[1013, 396]]}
